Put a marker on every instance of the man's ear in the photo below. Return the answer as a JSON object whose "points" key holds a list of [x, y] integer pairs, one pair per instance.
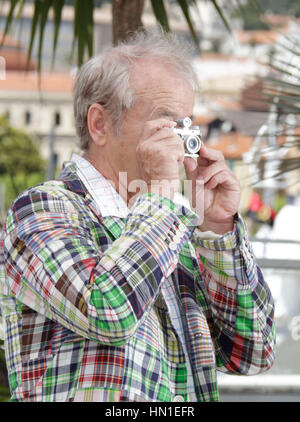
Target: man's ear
{"points": [[96, 124]]}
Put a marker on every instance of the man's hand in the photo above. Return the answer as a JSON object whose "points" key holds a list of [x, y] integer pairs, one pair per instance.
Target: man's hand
{"points": [[221, 189], [160, 153]]}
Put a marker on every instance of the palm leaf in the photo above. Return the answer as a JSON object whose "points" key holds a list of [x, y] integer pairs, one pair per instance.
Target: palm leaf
{"points": [[287, 64], [292, 47], [283, 89], [21, 4], [83, 28], [90, 27], [57, 7], [184, 5], [43, 21], [84, 25], [281, 70], [9, 19], [289, 86], [221, 14], [282, 97], [160, 13], [284, 106], [256, 6], [34, 23]]}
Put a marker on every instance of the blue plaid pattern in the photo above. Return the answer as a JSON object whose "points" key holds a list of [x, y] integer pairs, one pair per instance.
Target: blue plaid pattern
{"points": [[84, 309]]}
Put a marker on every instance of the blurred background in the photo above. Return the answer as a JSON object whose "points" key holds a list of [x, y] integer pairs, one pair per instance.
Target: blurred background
{"points": [[247, 57]]}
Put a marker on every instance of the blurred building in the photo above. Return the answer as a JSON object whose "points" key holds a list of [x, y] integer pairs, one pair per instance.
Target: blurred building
{"points": [[39, 106], [102, 31], [43, 107], [35, 104], [226, 103], [14, 55]]}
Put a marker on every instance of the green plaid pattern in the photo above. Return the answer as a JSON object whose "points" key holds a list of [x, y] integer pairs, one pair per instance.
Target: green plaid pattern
{"points": [[83, 310]]}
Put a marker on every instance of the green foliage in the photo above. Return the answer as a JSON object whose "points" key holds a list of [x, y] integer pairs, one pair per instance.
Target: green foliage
{"points": [[83, 24], [250, 17], [282, 88], [20, 160], [20, 167], [4, 393], [253, 18], [282, 7], [13, 189], [4, 388]]}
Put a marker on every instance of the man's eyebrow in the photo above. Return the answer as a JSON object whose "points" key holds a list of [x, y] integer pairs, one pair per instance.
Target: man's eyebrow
{"points": [[174, 116], [166, 113]]}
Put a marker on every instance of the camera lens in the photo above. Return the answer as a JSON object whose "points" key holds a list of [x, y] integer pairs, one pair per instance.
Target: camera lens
{"points": [[192, 144]]}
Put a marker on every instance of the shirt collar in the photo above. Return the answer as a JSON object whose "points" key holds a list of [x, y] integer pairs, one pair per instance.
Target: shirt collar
{"points": [[110, 203]]}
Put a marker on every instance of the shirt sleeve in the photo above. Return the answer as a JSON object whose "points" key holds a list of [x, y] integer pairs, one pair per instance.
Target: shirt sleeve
{"points": [[54, 265], [240, 308]]}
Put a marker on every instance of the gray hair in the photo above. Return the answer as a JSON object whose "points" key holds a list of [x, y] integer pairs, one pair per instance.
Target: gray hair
{"points": [[105, 79]]}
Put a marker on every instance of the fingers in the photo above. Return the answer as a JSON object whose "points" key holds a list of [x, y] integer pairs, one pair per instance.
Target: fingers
{"points": [[208, 172], [208, 162], [218, 173], [161, 154], [202, 162], [163, 134], [223, 178], [191, 167], [210, 154], [163, 140], [153, 126]]}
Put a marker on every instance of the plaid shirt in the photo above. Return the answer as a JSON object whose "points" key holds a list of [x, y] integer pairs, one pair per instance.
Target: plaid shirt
{"points": [[85, 307]]}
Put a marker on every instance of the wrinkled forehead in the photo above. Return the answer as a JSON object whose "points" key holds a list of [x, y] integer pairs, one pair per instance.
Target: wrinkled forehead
{"points": [[151, 74], [159, 91]]}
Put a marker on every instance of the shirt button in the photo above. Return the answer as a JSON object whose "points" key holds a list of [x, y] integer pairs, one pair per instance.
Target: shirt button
{"points": [[176, 239], [178, 398], [173, 246], [182, 227]]}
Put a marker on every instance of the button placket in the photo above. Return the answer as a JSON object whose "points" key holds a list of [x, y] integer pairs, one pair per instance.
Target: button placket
{"points": [[176, 239], [176, 233], [182, 228], [173, 246]]}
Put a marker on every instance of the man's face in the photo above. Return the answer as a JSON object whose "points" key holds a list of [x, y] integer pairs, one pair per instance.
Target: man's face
{"points": [[159, 92]]}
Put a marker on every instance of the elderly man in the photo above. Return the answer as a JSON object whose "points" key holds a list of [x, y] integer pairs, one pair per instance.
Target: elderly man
{"points": [[112, 291]]}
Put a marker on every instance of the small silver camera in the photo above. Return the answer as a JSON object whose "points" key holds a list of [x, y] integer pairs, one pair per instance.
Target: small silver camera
{"points": [[190, 135]]}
